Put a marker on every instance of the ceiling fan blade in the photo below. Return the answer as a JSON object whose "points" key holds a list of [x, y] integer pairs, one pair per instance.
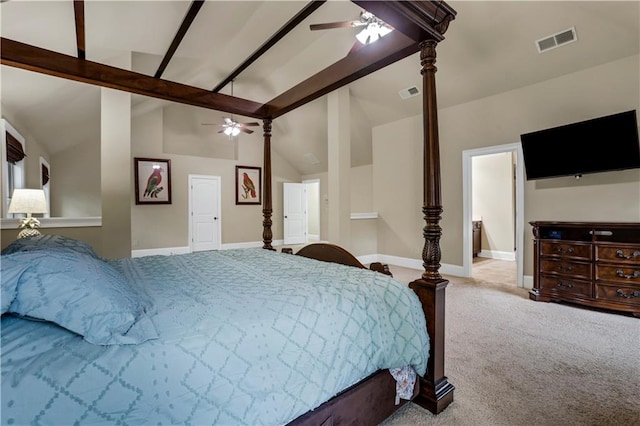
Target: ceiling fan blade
{"points": [[221, 130], [210, 124], [245, 130], [329, 25], [253, 123]]}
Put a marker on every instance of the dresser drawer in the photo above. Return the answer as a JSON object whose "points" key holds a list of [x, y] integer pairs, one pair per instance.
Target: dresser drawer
{"points": [[565, 249], [625, 274], [618, 254], [563, 267], [565, 285], [626, 294]]}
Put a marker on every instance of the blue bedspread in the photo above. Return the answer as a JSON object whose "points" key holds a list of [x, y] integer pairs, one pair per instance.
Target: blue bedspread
{"points": [[245, 337]]}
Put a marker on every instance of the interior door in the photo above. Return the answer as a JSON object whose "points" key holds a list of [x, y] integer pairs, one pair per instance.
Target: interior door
{"points": [[295, 213], [205, 223]]}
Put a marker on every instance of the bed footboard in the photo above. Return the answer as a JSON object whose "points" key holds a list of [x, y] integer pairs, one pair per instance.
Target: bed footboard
{"points": [[336, 254]]}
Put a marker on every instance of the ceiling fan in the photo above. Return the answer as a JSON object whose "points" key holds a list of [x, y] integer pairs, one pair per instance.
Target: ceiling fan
{"points": [[374, 27], [231, 127]]}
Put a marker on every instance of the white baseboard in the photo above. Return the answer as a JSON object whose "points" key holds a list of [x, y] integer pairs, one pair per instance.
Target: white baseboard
{"points": [[527, 282], [249, 244], [406, 262], [499, 255], [167, 251]]}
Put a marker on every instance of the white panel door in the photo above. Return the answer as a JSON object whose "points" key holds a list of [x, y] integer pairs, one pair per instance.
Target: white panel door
{"points": [[205, 223], [295, 213]]}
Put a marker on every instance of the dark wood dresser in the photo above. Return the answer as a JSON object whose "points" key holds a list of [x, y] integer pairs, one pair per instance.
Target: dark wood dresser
{"points": [[589, 263]]}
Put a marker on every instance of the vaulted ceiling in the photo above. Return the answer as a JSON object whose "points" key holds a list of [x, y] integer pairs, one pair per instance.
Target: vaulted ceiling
{"points": [[490, 48]]}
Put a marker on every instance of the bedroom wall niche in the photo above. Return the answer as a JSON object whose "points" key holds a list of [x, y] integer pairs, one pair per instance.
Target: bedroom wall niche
{"points": [[72, 148]]}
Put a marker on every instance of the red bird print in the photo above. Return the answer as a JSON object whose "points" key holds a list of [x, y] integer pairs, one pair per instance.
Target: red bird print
{"points": [[248, 186], [154, 180]]}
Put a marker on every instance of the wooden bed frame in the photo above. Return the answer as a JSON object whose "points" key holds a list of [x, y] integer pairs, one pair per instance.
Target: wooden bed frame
{"points": [[419, 27]]}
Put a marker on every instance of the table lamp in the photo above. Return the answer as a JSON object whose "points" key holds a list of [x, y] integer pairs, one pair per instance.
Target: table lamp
{"points": [[28, 201]]}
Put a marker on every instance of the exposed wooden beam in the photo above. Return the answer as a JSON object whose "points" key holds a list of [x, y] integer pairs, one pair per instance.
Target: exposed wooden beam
{"points": [[357, 64], [31, 58], [286, 28], [184, 27], [78, 10]]}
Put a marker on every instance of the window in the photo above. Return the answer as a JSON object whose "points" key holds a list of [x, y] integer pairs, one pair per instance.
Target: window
{"points": [[13, 148], [45, 182]]}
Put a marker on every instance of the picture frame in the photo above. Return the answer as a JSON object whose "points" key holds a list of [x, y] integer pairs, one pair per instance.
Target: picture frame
{"points": [[152, 180], [248, 185]]}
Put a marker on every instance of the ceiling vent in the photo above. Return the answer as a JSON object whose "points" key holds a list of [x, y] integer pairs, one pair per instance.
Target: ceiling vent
{"points": [[556, 40], [409, 92]]}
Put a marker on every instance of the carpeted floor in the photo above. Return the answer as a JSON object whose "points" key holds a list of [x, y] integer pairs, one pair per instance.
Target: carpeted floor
{"points": [[514, 361]]}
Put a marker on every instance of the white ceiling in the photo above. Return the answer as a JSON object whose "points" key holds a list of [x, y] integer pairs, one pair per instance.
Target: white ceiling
{"points": [[489, 48]]}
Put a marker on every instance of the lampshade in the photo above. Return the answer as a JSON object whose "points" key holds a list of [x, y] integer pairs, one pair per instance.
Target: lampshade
{"points": [[28, 201]]}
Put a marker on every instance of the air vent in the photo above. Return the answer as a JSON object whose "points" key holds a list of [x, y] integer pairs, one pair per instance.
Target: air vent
{"points": [[557, 40], [409, 92]]}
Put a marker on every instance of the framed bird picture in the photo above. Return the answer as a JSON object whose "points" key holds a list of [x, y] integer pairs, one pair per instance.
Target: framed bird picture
{"points": [[248, 185], [153, 180]]}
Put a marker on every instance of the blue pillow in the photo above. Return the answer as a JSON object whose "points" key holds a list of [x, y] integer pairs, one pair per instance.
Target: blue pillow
{"points": [[82, 294], [10, 272], [44, 242]]}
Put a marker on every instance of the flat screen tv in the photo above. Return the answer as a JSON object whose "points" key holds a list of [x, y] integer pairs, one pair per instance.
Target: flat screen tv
{"points": [[598, 145]]}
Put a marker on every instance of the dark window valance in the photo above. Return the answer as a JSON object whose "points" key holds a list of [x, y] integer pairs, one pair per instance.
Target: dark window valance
{"points": [[15, 153], [45, 175]]}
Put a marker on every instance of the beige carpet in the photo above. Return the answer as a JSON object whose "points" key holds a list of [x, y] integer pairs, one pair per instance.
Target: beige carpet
{"points": [[514, 361]]}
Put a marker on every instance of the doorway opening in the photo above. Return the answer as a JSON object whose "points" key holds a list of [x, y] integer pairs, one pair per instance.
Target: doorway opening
{"points": [[514, 151], [313, 210]]}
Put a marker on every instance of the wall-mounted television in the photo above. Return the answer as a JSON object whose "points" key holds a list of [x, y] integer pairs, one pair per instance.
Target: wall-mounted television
{"points": [[597, 145]]}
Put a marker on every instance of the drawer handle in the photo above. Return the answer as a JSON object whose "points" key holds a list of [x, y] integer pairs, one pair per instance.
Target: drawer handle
{"points": [[601, 233], [620, 254], [631, 295], [567, 285], [565, 251], [563, 268], [621, 274]]}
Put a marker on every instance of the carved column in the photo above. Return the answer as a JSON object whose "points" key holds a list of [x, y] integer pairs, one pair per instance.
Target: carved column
{"points": [[436, 393], [267, 209]]}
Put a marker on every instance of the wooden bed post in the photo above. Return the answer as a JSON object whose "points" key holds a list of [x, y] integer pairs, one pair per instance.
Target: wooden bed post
{"points": [[436, 393], [267, 209]]}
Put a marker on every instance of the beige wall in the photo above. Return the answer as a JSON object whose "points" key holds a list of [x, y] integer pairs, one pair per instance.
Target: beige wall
{"points": [[313, 208], [324, 204], [75, 181], [493, 201], [115, 178], [364, 234], [498, 120]]}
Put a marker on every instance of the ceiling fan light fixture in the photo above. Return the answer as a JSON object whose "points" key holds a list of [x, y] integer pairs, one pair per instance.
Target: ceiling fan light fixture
{"points": [[372, 32], [232, 129]]}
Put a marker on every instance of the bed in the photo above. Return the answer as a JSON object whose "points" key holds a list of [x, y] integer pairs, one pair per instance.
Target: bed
{"points": [[246, 336], [420, 26]]}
